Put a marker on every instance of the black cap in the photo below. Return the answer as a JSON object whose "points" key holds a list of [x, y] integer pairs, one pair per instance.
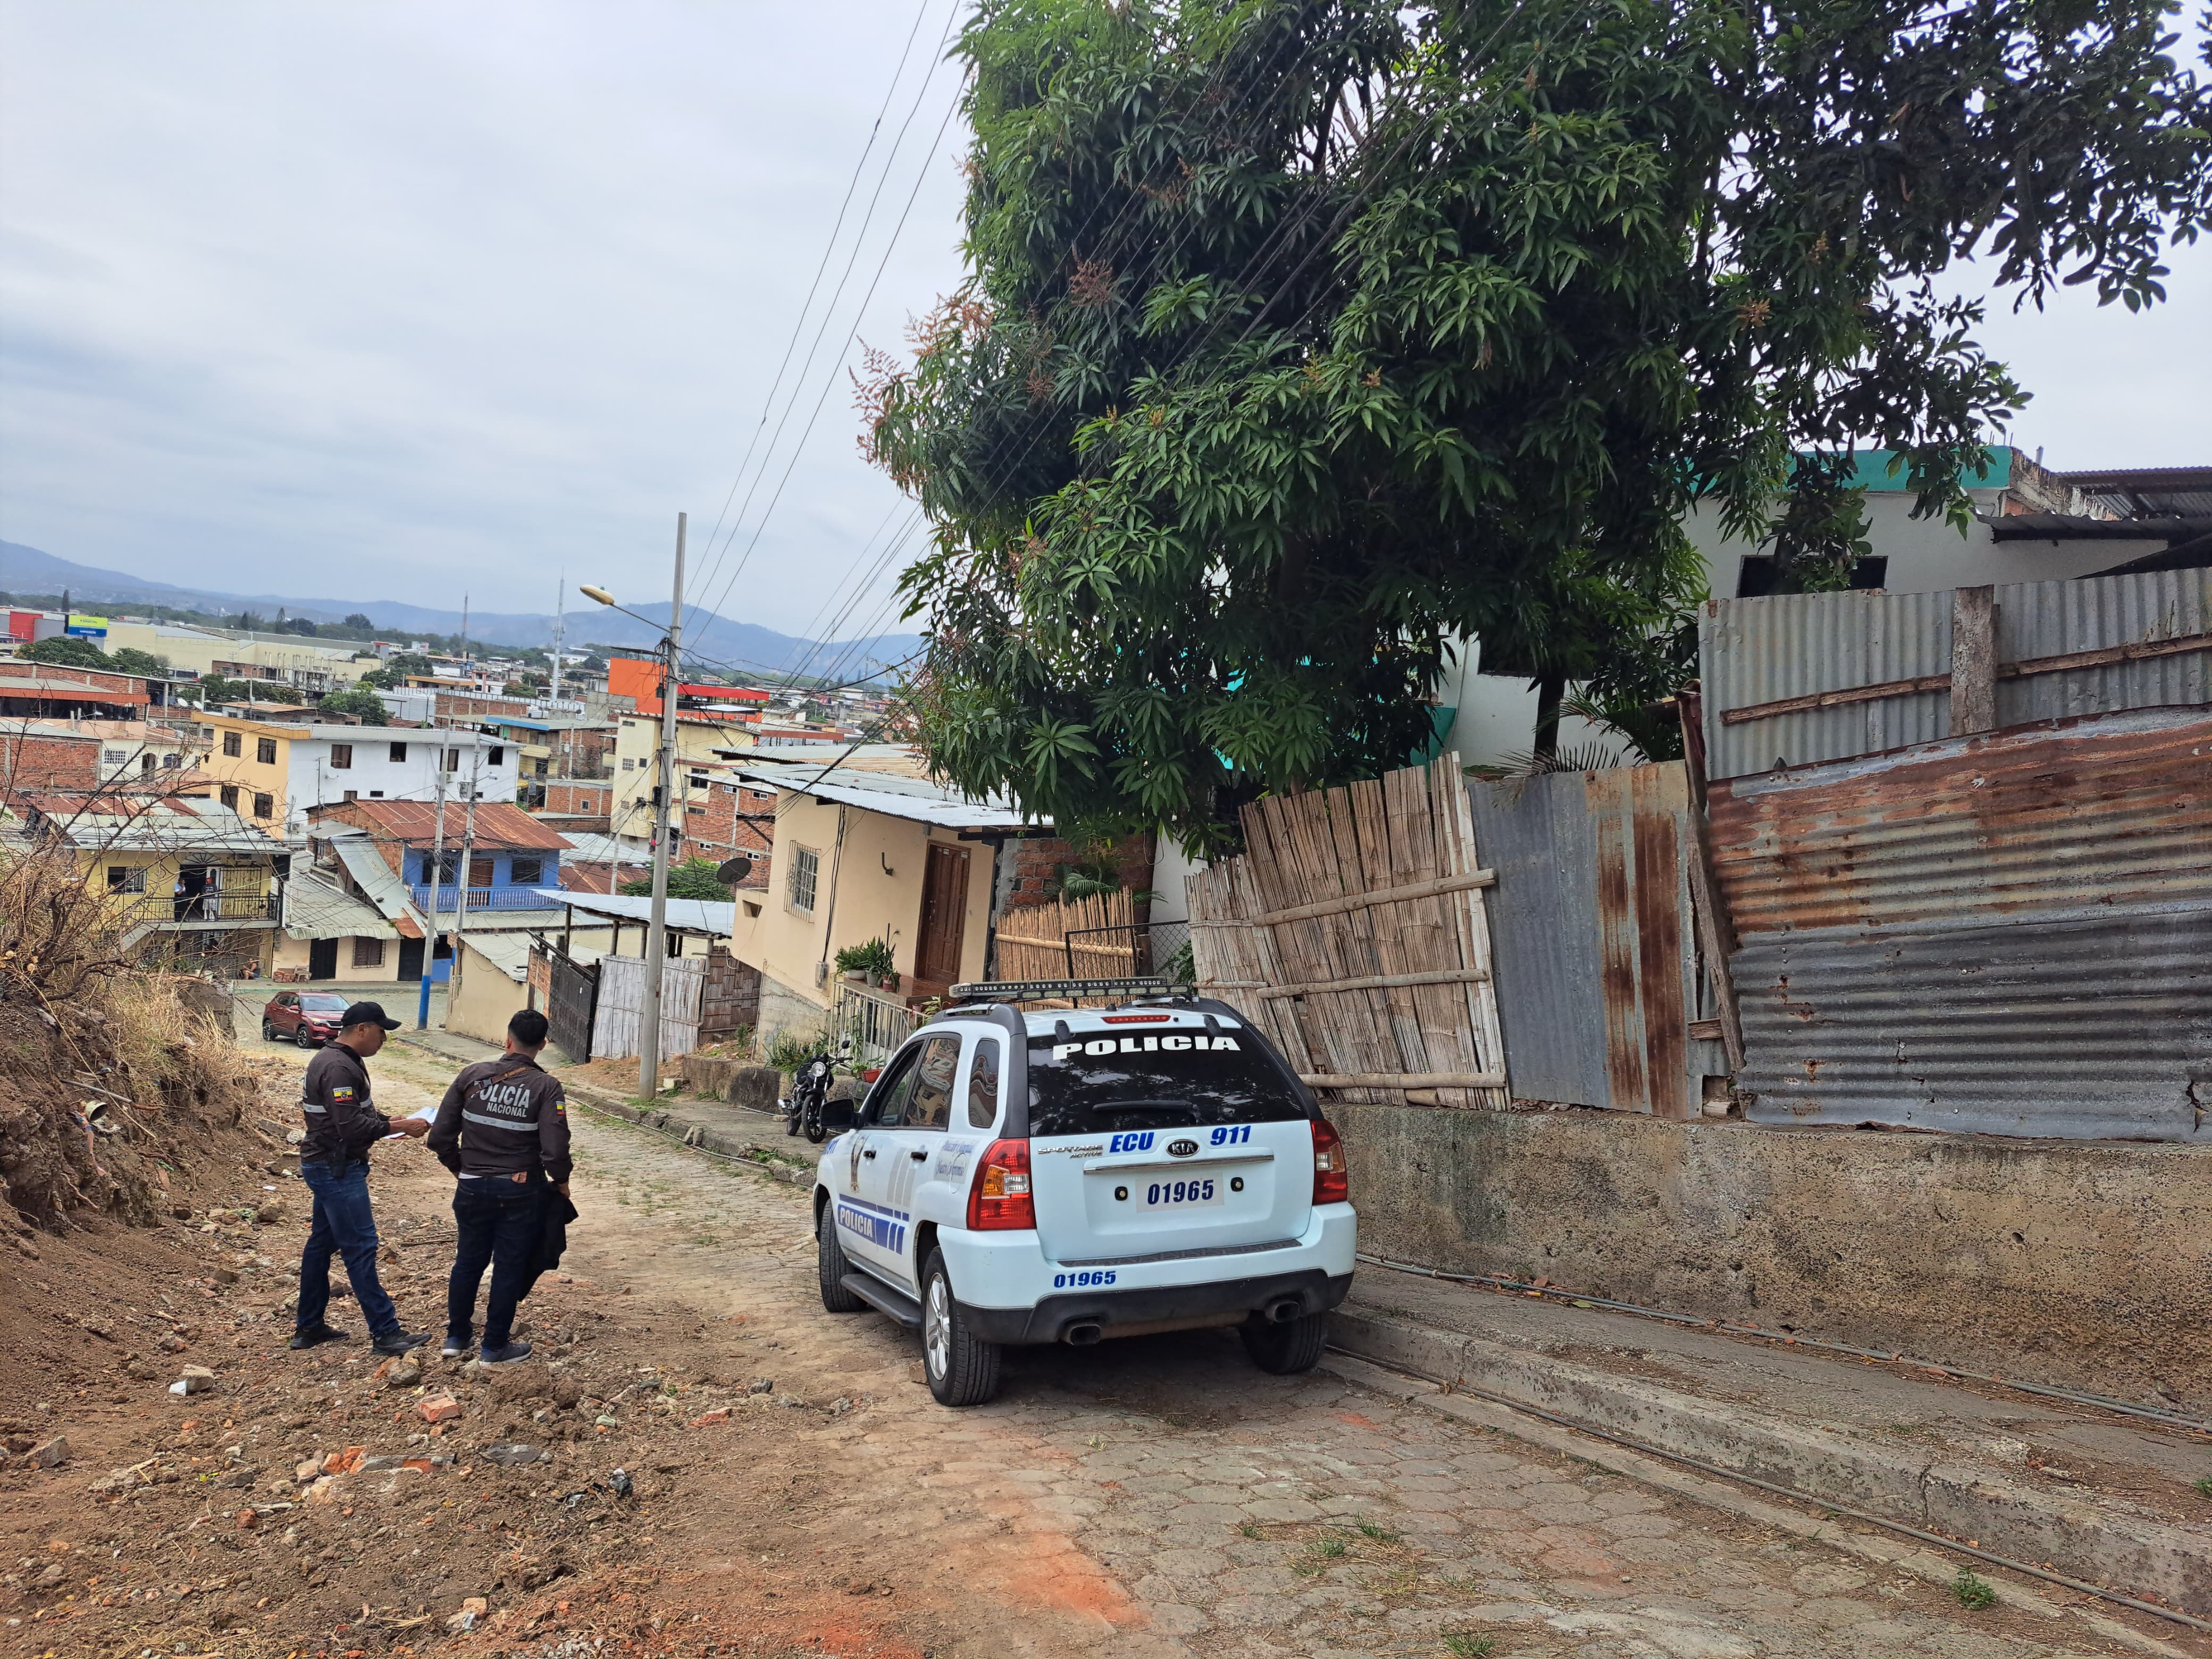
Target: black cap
{"points": [[366, 1013]]}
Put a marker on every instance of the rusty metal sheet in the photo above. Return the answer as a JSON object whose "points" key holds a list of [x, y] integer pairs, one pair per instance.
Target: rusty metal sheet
{"points": [[1598, 976], [1757, 651], [2009, 933]]}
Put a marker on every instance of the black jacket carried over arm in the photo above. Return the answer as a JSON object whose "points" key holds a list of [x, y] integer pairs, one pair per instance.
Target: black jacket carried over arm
{"points": [[503, 1117], [341, 1124]]}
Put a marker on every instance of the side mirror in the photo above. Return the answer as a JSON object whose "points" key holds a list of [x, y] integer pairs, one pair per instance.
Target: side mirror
{"points": [[839, 1116]]}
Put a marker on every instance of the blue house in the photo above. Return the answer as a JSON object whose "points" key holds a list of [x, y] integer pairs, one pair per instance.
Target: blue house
{"points": [[510, 853]]}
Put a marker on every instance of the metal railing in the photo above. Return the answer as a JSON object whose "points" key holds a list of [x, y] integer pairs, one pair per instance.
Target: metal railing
{"points": [[481, 898], [167, 909], [877, 1023]]}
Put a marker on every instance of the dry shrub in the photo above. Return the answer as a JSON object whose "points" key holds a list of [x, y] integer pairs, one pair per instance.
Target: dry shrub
{"points": [[108, 1080]]}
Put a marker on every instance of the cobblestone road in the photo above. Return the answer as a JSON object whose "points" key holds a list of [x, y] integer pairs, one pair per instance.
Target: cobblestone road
{"points": [[1158, 1497]]}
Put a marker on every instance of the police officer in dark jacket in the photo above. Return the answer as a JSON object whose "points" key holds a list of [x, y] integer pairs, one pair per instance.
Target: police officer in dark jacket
{"points": [[342, 1125], [503, 1129]]}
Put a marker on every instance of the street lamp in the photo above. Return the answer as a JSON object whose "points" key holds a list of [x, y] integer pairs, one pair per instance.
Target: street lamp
{"points": [[656, 932]]}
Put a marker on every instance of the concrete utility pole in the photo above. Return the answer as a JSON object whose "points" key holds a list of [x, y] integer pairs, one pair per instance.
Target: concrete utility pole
{"points": [[461, 885], [437, 864], [656, 932]]}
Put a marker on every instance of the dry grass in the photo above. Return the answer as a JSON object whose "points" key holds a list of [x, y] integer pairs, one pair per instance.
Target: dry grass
{"points": [[107, 1077]]}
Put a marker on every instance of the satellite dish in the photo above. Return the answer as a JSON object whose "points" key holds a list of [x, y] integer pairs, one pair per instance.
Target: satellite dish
{"points": [[735, 871]]}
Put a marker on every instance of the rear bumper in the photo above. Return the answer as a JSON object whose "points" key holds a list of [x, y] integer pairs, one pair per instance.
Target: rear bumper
{"points": [[1116, 1311]]}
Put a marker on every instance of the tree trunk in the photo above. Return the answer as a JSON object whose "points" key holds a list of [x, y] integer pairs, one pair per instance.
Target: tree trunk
{"points": [[1550, 688]]}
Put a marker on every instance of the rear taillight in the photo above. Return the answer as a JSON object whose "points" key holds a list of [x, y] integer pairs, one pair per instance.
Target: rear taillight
{"points": [[999, 1200], [1331, 1174]]}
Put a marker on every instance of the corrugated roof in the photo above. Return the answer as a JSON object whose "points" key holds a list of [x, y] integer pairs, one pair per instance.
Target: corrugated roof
{"points": [[378, 879], [693, 915], [17, 685], [172, 824], [915, 799], [587, 847], [313, 908], [498, 823], [2150, 492]]}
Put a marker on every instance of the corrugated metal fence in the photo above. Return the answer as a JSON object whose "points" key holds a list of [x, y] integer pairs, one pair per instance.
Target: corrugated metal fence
{"points": [[2007, 933], [1599, 975], [1755, 654]]}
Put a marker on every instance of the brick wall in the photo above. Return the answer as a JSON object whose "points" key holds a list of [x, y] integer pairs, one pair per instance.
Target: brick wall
{"points": [[1038, 859], [591, 797], [715, 827], [28, 761]]}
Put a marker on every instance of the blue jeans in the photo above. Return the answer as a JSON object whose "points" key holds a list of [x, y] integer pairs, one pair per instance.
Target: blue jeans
{"points": [[342, 1224], [498, 1222]]}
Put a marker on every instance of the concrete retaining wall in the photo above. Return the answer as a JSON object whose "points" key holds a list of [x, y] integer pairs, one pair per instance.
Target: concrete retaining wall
{"points": [[2087, 1263]]}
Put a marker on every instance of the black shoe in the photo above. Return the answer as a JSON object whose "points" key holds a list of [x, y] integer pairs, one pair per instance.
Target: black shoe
{"points": [[310, 1336], [456, 1347], [401, 1341], [506, 1356]]}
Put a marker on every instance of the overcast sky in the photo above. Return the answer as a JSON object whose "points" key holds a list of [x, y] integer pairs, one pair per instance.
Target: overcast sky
{"points": [[394, 300]]}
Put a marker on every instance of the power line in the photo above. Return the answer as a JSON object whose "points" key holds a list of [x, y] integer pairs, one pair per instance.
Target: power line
{"points": [[822, 328], [798, 323]]}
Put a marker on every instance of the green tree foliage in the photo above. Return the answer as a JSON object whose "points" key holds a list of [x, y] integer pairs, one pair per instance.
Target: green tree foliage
{"points": [[129, 659], [363, 705], [359, 619], [65, 652], [1304, 336], [694, 878]]}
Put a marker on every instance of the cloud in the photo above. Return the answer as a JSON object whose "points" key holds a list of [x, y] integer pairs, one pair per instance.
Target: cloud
{"points": [[398, 301], [406, 300]]}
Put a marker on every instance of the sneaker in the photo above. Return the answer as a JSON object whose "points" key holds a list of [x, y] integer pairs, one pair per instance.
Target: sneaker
{"points": [[310, 1337], [456, 1347], [401, 1342], [506, 1356]]}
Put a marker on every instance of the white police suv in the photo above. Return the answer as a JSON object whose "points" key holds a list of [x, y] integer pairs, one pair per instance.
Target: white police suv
{"points": [[1070, 1175]]}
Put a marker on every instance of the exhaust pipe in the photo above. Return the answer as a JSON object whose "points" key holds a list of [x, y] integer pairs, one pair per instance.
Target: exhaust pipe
{"points": [[1082, 1336], [1283, 1312]]}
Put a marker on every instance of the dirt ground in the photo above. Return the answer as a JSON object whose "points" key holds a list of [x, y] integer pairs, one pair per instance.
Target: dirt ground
{"points": [[699, 1461], [182, 1525]]}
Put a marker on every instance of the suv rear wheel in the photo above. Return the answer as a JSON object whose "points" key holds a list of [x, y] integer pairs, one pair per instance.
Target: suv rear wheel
{"points": [[1288, 1348], [962, 1368], [831, 1266]]}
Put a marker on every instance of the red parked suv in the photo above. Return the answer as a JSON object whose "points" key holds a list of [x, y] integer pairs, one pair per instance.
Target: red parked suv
{"points": [[309, 1018]]}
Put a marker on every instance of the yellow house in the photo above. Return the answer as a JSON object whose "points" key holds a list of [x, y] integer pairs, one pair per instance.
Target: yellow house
{"points": [[701, 739], [183, 872], [859, 856]]}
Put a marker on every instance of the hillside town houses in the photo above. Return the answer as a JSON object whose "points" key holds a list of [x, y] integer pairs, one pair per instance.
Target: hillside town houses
{"points": [[477, 782]]}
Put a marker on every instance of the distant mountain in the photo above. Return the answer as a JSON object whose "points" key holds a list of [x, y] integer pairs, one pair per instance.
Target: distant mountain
{"points": [[744, 645]]}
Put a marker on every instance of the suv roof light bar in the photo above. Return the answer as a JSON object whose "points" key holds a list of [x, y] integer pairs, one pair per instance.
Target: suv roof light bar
{"points": [[1039, 990]]}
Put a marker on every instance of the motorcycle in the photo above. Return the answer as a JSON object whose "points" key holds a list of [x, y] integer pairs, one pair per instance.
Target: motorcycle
{"points": [[810, 1092]]}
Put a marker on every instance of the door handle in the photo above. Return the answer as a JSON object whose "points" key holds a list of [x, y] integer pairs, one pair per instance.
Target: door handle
{"points": [[869, 1153], [919, 1157]]}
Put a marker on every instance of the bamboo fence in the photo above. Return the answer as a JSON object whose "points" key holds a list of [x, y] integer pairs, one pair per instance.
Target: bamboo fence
{"points": [[1352, 931], [1034, 943]]}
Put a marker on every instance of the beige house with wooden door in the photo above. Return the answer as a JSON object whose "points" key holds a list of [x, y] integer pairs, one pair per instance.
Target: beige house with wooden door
{"points": [[866, 855]]}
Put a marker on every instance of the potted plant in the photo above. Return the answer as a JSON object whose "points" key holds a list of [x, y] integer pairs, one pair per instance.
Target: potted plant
{"points": [[869, 960]]}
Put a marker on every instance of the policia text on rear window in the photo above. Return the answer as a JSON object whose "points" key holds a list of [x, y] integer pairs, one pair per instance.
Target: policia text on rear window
{"points": [[1085, 1083]]}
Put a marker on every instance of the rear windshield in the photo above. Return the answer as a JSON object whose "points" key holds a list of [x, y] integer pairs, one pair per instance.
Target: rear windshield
{"points": [[1092, 1084]]}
